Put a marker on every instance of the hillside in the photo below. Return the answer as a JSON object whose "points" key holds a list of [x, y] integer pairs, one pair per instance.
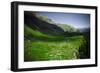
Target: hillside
{"points": [[38, 24], [39, 46], [64, 27]]}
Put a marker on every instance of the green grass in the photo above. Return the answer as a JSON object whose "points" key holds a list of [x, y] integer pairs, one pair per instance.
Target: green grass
{"points": [[40, 47], [43, 50]]}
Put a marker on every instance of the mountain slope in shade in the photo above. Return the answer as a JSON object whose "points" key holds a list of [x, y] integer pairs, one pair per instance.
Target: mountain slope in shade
{"points": [[64, 27], [37, 24]]}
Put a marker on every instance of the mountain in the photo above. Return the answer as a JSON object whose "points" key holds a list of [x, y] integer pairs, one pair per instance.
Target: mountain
{"points": [[44, 18], [45, 25], [65, 27], [34, 22]]}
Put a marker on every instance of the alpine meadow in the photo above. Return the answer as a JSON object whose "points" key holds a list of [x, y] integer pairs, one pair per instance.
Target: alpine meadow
{"points": [[56, 36]]}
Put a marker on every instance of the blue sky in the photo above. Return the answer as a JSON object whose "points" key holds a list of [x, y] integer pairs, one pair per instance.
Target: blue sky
{"points": [[76, 20]]}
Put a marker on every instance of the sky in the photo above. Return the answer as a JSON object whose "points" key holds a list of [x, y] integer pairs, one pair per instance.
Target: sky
{"points": [[76, 20]]}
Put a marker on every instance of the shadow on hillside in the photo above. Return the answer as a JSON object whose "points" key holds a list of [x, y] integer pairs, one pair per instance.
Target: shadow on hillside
{"points": [[84, 49], [37, 24]]}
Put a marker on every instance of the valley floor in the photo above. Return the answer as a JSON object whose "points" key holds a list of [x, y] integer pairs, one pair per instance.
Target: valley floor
{"points": [[53, 50]]}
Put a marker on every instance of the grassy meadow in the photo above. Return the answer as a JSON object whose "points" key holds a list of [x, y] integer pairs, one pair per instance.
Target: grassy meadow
{"points": [[40, 46]]}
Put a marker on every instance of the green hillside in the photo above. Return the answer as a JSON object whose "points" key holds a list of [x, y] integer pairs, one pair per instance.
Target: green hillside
{"points": [[41, 47]]}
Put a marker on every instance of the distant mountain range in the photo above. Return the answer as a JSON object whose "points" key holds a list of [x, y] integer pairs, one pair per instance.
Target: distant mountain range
{"points": [[84, 29]]}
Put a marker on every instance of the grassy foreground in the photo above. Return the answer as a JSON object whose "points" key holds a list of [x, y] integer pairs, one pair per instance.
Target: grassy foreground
{"points": [[39, 46]]}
